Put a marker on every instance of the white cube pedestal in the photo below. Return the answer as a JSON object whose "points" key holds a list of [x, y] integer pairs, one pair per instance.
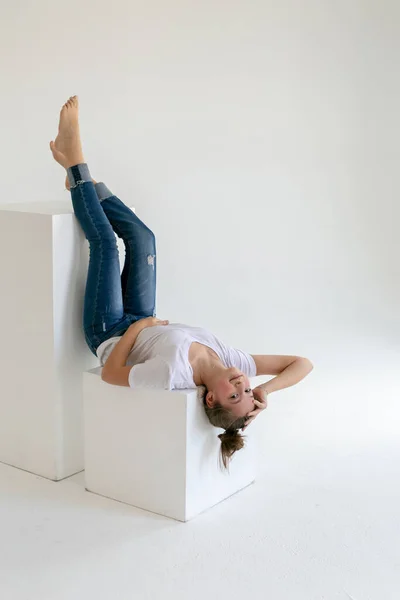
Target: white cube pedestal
{"points": [[43, 266], [156, 450]]}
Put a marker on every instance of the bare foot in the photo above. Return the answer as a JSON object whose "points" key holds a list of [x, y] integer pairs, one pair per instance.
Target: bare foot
{"points": [[67, 148]]}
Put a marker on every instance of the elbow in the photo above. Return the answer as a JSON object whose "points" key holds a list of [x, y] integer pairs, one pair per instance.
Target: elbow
{"points": [[307, 364], [104, 375], [302, 363]]}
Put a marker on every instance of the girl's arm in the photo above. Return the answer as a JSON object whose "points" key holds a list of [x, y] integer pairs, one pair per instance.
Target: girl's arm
{"points": [[115, 370], [288, 371]]}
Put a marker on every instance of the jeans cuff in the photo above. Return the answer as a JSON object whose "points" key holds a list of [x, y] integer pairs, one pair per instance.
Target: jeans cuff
{"points": [[78, 174], [102, 191]]}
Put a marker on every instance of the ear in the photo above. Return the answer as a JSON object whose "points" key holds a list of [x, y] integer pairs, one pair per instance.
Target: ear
{"points": [[209, 400]]}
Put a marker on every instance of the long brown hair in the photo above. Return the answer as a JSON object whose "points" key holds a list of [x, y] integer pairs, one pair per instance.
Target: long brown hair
{"points": [[231, 440]]}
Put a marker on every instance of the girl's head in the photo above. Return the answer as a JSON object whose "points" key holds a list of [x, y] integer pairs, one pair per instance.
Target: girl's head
{"points": [[227, 404], [231, 390]]}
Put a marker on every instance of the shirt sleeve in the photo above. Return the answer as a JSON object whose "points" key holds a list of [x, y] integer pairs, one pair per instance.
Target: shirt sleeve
{"points": [[154, 373], [242, 361]]}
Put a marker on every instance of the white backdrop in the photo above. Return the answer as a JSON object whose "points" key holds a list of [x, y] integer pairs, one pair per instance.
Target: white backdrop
{"points": [[260, 141]]}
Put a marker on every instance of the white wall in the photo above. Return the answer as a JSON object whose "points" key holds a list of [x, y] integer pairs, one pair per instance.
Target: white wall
{"points": [[260, 141]]}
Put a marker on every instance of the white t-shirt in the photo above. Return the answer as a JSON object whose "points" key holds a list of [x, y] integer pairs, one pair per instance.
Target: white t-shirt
{"points": [[160, 356]]}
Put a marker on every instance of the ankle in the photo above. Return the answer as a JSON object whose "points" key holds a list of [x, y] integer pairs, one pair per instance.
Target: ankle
{"points": [[74, 160], [78, 173]]}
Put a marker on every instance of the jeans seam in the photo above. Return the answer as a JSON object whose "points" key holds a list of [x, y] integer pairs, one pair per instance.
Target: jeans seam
{"points": [[81, 189]]}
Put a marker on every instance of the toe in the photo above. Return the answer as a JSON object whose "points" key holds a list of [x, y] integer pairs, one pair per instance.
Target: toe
{"points": [[53, 150]]}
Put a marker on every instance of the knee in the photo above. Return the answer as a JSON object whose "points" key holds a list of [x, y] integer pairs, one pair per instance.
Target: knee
{"points": [[102, 236], [103, 242], [144, 236], [151, 238]]}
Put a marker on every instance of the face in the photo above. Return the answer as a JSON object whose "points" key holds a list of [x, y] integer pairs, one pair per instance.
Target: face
{"points": [[233, 392]]}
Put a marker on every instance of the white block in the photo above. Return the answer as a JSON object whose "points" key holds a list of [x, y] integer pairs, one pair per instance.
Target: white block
{"points": [[43, 266], [157, 450]]}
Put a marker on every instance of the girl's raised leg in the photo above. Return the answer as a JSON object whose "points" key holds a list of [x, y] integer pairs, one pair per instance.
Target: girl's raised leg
{"points": [[139, 274], [104, 314], [138, 279]]}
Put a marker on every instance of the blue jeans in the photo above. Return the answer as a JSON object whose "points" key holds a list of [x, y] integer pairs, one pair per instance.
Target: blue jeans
{"points": [[113, 301]]}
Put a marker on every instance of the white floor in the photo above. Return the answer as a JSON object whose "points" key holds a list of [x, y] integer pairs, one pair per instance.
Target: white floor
{"points": [[321, 523]]}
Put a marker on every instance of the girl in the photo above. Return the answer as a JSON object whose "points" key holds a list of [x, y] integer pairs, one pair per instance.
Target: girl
{"points": [[136, 348]]}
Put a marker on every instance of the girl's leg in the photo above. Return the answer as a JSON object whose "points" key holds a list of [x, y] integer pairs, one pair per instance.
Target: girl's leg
{"points": [[139, 274], [103, 314], [103, 310]]}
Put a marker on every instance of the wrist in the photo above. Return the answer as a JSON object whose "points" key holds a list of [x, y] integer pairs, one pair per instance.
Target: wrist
{"points": [[265, 388], [137, 326]]}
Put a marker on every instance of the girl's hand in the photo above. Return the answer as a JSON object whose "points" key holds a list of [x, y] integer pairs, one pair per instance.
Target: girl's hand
{"points": [[260, 401], [149, 322]]}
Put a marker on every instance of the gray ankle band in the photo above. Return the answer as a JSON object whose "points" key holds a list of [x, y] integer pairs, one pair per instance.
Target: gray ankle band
{"points": [[78, 174], [102, 191]]}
